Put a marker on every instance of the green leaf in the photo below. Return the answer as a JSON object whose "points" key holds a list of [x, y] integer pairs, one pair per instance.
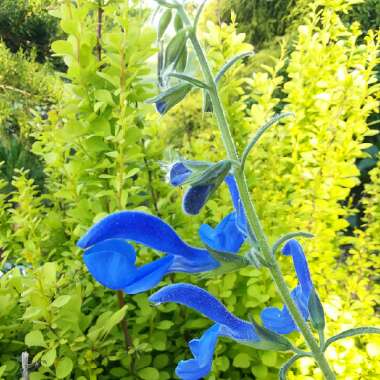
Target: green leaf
{"points": [[62, 47], [289, 236], [178, 24], [242, 360], [49, 357], [61, 301], [64, 368], [270, 340], [317, 314], [229, 262], [207, 103], [284, 369], [350, 333], [230, 63], [35, 338], [149, 373], [164, 23], [191, 80]]}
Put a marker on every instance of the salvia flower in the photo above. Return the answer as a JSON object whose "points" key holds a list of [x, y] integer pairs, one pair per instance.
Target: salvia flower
{"points": [[112, 260], [280, 321], [226, 325]]}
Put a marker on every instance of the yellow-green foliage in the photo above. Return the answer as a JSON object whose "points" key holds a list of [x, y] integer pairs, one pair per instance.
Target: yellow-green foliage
{"points": [[101, 146], [302, 172]]}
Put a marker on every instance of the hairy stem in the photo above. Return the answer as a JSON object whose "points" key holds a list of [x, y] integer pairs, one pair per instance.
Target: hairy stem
{"points": [[252, 217]]}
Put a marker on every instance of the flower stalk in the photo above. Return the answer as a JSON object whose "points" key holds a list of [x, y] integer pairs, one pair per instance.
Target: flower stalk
{"points": [[252, 217]]}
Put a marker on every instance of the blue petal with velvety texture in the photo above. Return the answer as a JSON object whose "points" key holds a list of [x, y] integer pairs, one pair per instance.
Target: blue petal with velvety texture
{"points": [[112, 263], [294, 249], [225, 237], [241, 219], [195, 198], [149, 275], [203, 352], [206, 304], [141, 228]]}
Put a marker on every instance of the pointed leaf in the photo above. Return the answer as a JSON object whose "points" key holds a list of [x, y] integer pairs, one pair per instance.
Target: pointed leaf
{"points": [[191, 80], [317, 314], [270, 340], [352, 332], [284, 369], [230, 63], [229, 262]]}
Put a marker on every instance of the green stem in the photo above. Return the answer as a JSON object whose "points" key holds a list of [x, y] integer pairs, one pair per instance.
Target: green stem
{"points": [[252, 217]]}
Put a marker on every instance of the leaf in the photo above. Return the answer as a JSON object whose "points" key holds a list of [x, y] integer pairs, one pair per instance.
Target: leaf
{"points": [[61, 301], [35, 338], [62, 47], [284, 369], [230, 63], [229, 262], [64, 368], [350, 333], [191, 80], [149, 373], [317, 314], [242, 360], [289, 236], [49, 357], [270, 340]]}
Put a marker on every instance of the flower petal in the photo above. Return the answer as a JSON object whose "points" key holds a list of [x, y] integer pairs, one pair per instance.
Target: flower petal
{"points": [[225, 237], [196, 197], [149, 275], [178, 174], [142, 228], [112, 263], [280, 321], [202, 301], [294, 249], [241, 220], [203, 352]]}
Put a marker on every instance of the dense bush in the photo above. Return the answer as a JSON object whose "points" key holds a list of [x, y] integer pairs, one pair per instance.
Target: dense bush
{"points": [[101, 146], [26, 25]]}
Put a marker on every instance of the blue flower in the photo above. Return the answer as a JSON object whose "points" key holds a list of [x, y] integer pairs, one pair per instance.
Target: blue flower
{"points": [[112, 260], [280, 321], [226, 325]]}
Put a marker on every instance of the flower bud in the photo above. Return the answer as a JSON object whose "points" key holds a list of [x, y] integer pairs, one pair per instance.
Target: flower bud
{"points": [[169, 98], [164, 23], [175, 48]]}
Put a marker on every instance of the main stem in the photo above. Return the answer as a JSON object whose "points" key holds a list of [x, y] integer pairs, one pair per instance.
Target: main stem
{"points": [[252, 217]]}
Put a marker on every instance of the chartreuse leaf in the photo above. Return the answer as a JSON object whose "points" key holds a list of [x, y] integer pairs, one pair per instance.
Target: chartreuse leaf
{"points": [[35, 338], [284, 369], [149, 373], [350, 333], [64, 368], [242, 360]]}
